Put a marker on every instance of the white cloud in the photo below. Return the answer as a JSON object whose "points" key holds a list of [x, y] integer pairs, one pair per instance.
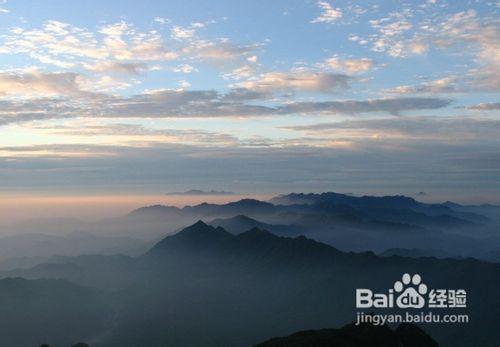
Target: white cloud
{"points": [[391, 30], [117, 29], [463, 33], [162, 20], [449, 84], [32, 82], [179, 33], [329, 14], [239, 73], [220, 50], [64, 45], [350, 65], [184, 84], [418, 47], [185, 68]]}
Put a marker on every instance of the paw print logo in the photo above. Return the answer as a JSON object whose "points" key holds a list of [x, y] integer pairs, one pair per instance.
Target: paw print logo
{"points": [[412, 291]]}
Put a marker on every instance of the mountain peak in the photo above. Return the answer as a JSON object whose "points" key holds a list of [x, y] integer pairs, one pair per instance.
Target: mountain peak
{"points": [[196, 236], [199, 224]]}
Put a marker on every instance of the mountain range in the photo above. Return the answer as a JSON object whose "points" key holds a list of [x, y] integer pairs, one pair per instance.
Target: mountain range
{"points": [[349, 223], [205, 286]]}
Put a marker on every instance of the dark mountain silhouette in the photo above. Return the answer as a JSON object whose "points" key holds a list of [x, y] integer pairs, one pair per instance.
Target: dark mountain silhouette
{"points": [[255, 244], [363, 335], [198, 237]]}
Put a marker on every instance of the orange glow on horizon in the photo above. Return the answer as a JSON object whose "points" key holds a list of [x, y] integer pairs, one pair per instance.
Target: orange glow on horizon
{"points": [[15, 208]]}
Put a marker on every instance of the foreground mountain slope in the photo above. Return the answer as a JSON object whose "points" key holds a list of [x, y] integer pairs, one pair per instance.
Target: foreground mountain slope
{"points": [[364, 335], [52, 311]]}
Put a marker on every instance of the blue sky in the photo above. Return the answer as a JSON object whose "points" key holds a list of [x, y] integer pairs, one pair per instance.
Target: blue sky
{"points": [[100, 97]]}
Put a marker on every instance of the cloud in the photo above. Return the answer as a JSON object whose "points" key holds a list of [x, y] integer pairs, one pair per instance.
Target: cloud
{"points": [[220, 50], [350, 65], [182, 103], [62, 44], [135, 132], [244, 94], [485, 106], [239, 73], [467, 32], [32, 82], [385, 163], [297, 81], [185, 68], [390, 33], [239, 102], [391, 105], [114, 30], [418, 47], [439, 129], [449, 84], [162, 20], [461, 33], [118, 67], [179, 33], [329, 14]]}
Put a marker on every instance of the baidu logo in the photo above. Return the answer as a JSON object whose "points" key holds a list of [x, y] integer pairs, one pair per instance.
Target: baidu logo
{"points": [[410, 292]]}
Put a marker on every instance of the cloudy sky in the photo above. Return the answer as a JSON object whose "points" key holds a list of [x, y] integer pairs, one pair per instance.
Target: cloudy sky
{"points": [[108, 97]]}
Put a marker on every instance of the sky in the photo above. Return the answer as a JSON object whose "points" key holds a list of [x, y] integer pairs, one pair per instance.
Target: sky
{"points": [[127, 98]]}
